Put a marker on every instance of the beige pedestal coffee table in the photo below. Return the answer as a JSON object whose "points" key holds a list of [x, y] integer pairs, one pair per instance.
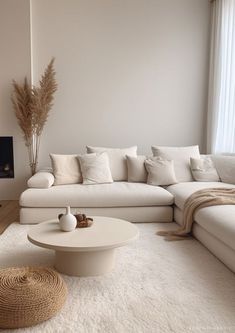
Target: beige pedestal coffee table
{"points": [[84, 251]]}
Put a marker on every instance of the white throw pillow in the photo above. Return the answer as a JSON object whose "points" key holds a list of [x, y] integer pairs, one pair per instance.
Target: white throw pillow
{"points": [[181, 157], [203, 169], [95, 168], [136, 169], [160, 171], [225, 166], [66, 169], [117, 159], [41, 179]]}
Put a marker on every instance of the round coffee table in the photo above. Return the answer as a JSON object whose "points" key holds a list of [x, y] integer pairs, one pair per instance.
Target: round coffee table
{"points": [[84, 251]]}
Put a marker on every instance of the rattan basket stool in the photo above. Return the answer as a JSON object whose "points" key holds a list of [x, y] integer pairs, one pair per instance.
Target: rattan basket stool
{"points": [[29, 296]]}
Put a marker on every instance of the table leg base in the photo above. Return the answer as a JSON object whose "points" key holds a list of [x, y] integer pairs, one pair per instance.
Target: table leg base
{"points": [[84, 263]]}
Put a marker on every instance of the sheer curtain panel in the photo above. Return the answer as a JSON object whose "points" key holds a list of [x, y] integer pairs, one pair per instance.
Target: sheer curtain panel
{"points": [[221, 105]]}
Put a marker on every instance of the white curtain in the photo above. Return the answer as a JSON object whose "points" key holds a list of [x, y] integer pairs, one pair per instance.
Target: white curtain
{"points": [[221, 106]]}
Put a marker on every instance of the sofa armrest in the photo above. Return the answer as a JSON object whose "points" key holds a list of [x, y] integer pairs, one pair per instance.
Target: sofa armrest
{"points": [[41, 179]]}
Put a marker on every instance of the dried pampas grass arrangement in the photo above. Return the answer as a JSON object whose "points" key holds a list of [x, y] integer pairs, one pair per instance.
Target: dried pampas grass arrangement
{"points": [[32, 106]]}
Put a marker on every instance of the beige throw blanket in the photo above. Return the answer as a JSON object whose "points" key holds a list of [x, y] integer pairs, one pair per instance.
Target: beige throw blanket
{"points": [[198, 200]]}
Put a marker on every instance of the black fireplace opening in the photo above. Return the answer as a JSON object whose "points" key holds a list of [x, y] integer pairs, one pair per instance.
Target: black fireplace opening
{"points": [[6, 157]]}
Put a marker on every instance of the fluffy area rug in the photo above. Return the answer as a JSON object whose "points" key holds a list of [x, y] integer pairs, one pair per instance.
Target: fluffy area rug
{"points": [[156, 287]]}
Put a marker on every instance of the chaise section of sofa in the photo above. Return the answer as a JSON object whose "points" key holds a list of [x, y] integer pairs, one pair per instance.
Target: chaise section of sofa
{"points": [[213, 226], [136, 202]]}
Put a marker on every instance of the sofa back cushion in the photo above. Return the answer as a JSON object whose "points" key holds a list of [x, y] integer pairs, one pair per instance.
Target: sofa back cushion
{"points": [[203, 169], [95, 168], [136, 169], [225, 166], [181, 157], [117, 159], [66, 169]]}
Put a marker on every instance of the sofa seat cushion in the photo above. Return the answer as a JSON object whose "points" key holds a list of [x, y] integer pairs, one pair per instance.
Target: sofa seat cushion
{"points": [[182, 191], [221, 250], [218, 221], [117, 194]]}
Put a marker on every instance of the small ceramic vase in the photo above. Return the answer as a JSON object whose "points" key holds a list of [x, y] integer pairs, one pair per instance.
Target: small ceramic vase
{"points": [[68, 221]]}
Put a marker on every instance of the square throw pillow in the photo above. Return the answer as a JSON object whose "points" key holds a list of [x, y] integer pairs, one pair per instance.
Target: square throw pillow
{"points": [[95, 168], [203, 169], [225, 166], [160, 171], [117, 159], [136, 169], [181, 157], [66, 169]]}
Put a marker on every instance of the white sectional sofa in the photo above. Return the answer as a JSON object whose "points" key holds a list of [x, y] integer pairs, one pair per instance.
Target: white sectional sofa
{"points": [[136, 202]]}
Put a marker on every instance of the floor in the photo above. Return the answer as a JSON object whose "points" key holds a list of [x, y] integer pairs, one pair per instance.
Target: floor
{"points": [[156, 287], [9, 213]]}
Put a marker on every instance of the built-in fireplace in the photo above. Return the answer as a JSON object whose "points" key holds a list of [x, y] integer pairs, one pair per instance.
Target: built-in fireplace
{"points": [[6, 157]]}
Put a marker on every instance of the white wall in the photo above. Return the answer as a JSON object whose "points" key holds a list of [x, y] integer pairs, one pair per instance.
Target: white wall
{"points": [[129, 71], [14, 64]]}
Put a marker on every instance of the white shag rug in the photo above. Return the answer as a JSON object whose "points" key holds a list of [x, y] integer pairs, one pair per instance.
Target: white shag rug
{"points": [[156, 287]]}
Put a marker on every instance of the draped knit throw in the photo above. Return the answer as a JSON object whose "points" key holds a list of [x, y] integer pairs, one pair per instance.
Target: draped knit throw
{"points": [[200, 199]]}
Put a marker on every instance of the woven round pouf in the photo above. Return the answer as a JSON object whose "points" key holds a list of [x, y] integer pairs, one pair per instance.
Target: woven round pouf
{"points": [[29, 295]]}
